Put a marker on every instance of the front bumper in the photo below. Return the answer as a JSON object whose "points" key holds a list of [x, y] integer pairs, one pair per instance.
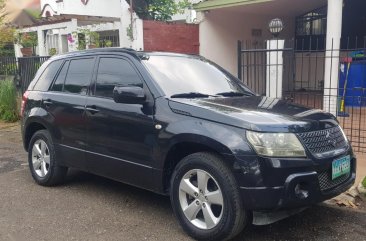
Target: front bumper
{"points": [[295, 177]]}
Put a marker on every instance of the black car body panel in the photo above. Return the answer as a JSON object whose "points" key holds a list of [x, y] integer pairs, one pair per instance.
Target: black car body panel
{"points": [[133, 143]]}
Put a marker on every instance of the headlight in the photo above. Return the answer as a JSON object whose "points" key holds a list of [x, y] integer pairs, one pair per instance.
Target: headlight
{"points": [[276, 144]]}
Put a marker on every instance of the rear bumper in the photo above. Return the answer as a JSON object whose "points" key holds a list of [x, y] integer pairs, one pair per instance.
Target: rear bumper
{"points": [[300, 185]]}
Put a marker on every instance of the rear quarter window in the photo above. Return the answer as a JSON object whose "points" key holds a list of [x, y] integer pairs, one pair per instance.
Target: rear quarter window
{"points": [[48, 75], [58, 85]]}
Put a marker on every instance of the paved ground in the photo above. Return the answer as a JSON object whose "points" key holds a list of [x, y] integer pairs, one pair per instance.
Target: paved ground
{"points": [[93, 208]]}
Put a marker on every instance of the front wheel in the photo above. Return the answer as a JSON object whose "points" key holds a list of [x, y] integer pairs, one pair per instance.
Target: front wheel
{"points": [[206, 199]]}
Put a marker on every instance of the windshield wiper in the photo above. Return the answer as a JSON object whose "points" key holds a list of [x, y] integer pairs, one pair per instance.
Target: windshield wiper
{"points": [[190, 95], [233, 94]]}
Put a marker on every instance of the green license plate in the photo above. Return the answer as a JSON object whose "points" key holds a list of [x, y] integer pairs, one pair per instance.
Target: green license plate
{"points": [[341, 167]]}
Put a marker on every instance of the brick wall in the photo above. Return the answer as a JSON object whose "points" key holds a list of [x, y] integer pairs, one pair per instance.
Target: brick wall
{"points": [[171, 37]]}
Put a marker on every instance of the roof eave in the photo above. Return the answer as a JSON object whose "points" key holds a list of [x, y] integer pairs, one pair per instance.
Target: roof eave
{"points": [[215, 4]]}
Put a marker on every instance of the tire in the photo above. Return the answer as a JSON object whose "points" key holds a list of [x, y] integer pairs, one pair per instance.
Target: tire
{"points": [[43, 162], [229, 217]]}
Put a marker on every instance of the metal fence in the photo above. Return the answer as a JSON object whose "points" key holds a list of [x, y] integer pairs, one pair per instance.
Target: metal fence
{"points": [[308, 74], [28, 67], [8, 66], [23, 69], [108, 39]]}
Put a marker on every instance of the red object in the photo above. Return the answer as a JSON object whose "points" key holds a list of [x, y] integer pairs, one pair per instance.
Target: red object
{"points": [[24, 102], [347, 60], [171, 37]]}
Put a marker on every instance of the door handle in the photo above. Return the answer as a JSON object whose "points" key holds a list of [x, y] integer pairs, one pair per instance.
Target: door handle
{"points": [[47, 102], [92, 109]]}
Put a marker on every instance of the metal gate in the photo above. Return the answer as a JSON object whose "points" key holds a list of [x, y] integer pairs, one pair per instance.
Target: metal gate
{"points": [[28, 67], [23, 69], [303, 74]]}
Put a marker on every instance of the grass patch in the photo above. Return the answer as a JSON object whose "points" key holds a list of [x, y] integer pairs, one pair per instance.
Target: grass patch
{"points": [[8, 101], [364, 182]]}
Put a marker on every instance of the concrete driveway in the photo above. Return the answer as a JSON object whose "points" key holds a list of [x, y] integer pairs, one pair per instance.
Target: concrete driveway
{"points": [[88, 207]]}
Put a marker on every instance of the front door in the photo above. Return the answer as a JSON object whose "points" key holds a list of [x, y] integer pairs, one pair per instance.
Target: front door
{"points": [[119, 136]]}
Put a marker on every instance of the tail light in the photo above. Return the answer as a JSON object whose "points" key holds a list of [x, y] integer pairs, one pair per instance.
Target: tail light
{"points": [[24, 102]]}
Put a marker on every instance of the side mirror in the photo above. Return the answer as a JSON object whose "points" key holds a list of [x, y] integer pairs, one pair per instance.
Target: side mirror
{"points": [[129, 95]]}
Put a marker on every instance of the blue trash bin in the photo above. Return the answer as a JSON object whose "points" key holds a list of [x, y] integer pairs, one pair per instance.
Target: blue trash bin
{"points": [[356, 84]]}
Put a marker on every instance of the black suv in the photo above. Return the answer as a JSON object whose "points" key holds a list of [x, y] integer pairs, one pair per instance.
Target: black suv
{"points": [[182, 126]]}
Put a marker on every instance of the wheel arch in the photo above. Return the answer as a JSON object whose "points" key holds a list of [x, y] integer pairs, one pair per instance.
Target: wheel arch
{"points": [[31, 128], [186, 146]]}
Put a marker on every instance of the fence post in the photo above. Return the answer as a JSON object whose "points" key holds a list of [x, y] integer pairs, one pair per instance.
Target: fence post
{"points": [[274, 70], [240, 65], [332, 55]]}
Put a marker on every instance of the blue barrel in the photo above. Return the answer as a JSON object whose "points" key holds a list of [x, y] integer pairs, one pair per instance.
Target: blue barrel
{"points": [[356, 84]]}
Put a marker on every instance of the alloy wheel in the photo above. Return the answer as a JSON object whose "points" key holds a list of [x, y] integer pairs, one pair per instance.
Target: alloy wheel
{"points": [[40, 158], [201, 199]]}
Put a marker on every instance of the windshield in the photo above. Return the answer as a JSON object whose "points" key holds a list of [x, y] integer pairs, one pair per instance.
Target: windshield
{"points": [[178, 75]]}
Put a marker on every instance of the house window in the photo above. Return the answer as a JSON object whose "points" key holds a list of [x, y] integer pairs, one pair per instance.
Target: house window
{"points": [[311, 29]]}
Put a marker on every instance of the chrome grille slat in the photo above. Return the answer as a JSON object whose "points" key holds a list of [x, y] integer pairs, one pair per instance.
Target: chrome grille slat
{"points": [[324, 140]]}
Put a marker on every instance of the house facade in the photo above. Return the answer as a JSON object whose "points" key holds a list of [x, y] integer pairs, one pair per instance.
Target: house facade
{"points": [[63, 21]]}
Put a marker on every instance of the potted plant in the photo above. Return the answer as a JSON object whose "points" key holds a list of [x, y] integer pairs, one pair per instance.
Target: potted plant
{"points": [[28, 41]]}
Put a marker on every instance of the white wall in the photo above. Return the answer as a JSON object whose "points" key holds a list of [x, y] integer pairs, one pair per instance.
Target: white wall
{"points": [[137, 42], [220, 30], [109, 8], [52, 8]]}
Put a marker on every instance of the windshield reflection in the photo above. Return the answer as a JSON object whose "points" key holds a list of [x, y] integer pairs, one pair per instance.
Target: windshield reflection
{"points": [[185, 74]]}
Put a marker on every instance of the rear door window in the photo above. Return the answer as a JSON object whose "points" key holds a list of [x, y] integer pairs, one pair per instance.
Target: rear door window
{"points": [[58, 85], [79, 76], [115, 72], [44, 82]]}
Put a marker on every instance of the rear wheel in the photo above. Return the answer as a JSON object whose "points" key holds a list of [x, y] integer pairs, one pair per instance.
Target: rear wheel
{"points": [[205, 198], [42, 160]]}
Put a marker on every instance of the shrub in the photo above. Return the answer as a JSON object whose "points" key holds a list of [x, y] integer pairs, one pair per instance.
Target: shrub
{"points": [[8, 69], [52, 52], [364, 182], [8, 101]]}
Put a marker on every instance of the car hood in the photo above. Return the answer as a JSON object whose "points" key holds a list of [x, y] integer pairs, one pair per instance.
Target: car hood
{"points": [[256, 113]]}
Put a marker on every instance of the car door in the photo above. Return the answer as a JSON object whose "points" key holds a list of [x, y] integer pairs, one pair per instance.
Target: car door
{"points": [[120, 136], [65, 103]]}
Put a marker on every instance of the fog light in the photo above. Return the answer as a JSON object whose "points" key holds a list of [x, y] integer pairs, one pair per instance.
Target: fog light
{"points": [[300, 192]]}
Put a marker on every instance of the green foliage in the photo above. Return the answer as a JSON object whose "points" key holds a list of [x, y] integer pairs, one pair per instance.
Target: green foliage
{"points": [[159, 10], [8, 69], [94, 38], [7, 36], [7, 39], [7, 51], [8, 101], [34, 13], [86, 37], [28, 40], [52, 52], [2, 13], [130, 32], [364, 182], [108, 43]]}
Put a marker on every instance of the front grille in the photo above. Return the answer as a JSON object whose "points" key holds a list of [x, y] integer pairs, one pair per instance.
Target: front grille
{"points": [[326, 182], [324, 140]]}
